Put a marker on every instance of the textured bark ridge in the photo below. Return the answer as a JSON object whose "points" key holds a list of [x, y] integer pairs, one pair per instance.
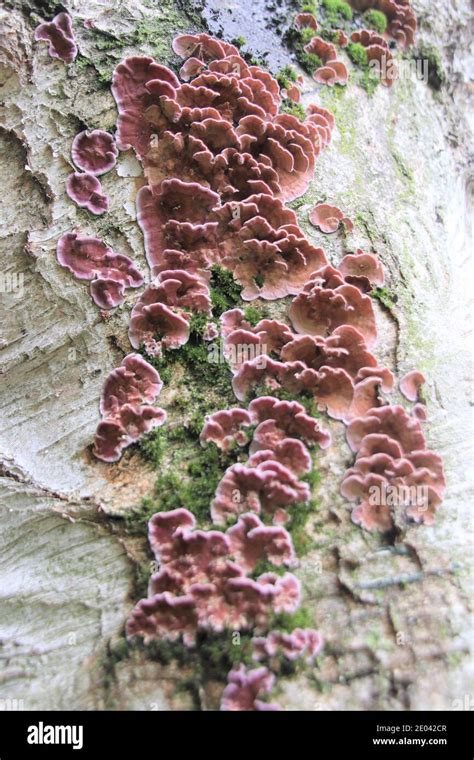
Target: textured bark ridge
{"points": [[394, 615]]}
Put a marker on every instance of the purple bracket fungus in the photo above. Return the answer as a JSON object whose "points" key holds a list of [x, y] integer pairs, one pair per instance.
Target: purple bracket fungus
{"points": [[164, 308], [277, 420], [267, 337], [232, 320], [220, 162], [326, 303], [363, 270], [286, 591], [244, 688], [283, 265], [194, 121], [223, 60], [377, 49], [306, 20], [293, 93], [107, 292], [139, 115], [382, 485], [164, 616], [419, 411], [156, 327], [60, 36], [201, 585], [383, 375], [342, 39], [329, 218], [393, 471], [391, 421], [333, 71], [368, 37], [410, 385], [114, 435], [269, 373], [379, 443], [211, 148], [344, 349], [202, 46], [89, 258], [324, 50], [94, 151], [290, 145], [163, 529], [226, 427], [260, 240], [187, 204], [289, 452], [273, 334], [332, 389], [267, 488], [239, 345], [178, 289], [125, 407], [251, 541], [302, 643], [133, 382], [400, 16], [222, 127], [85, 190], [369, 384], [323, 120]]}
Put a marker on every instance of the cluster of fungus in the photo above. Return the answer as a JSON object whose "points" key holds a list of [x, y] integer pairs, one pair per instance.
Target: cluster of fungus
{"points": [[220, 162], [268, 483], [204, 578], [110, 273], [401, 20], [94, 153], [326, 357], [332, 71], [395, 478], [377, 50], [396, 24], [205, 582], [125, 407]]}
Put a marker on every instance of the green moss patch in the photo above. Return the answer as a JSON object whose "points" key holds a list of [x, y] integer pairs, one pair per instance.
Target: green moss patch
{"points": [[369, 81], [430, 57], [357, 53], [385, 297], [286, 76], [296, 39], [366, 78], [191, 482], [335, 10], [254, 314], [152, 36], [295, 109], [376, 20], [225, 291], [309, 6], [297, 525]]}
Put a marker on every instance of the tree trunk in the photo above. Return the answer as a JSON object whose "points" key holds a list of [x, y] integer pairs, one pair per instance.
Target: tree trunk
{"points": [[394, 614]]}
